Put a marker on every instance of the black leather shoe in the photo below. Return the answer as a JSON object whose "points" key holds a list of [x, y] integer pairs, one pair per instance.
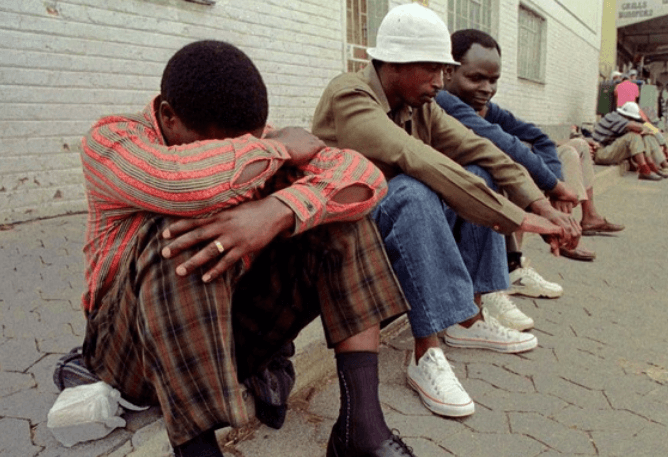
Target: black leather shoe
{"points": [[392, 447]]}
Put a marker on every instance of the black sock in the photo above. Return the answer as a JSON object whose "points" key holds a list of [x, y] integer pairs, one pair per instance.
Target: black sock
{"points": [[514, 261], [361, 423], [204, 445]]}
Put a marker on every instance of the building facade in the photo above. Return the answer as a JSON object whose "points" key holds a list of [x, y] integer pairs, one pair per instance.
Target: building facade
{"points": [[65, 64]]}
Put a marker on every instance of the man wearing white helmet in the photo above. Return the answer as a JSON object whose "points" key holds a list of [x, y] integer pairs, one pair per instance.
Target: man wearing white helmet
{"points": [[623, 136], [439, 221]]}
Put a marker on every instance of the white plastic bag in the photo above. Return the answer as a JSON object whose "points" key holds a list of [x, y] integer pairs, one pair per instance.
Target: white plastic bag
{"points": [[87, 412]]}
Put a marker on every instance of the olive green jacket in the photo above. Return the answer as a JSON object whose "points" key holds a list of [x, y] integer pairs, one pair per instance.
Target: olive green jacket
{"points": [[427, 144]]}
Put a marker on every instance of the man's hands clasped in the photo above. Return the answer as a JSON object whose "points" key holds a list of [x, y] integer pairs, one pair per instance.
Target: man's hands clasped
{"points": [[242, 230], [557, 228]]}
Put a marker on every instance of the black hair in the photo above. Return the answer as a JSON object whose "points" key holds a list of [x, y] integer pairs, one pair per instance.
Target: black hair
{"points": [[462, 40], [213, 83]]}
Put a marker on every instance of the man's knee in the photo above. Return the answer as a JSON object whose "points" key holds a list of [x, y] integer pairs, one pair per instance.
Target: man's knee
{"points": [[406, 193], [569, 154], [484, 174]]}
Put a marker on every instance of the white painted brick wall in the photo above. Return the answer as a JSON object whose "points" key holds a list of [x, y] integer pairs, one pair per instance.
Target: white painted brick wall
{"points": [[63, 64], [569, 93]]}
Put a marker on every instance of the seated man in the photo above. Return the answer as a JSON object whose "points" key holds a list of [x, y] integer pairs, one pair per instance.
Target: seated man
{"points": [[176, 333], [623, 137], [439, 221], [565, 174]]}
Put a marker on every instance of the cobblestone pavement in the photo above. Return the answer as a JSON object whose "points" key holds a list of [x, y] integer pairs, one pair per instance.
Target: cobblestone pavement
{"points": [[596, 385]]}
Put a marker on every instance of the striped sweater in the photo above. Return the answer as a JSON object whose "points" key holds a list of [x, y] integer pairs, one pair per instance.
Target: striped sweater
{"points": [[131, 175], [610, 127]]}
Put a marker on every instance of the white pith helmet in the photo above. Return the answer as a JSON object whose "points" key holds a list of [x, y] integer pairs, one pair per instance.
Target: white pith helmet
{"points": [[630, 109], [412, 33]]}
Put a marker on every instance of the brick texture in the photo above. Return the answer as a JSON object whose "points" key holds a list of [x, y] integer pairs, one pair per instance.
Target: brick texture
{"points": [[63, 64]]}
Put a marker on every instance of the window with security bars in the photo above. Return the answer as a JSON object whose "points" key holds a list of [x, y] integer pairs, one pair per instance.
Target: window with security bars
{"points": [[530, 45], [470, 14], [363, 18]]}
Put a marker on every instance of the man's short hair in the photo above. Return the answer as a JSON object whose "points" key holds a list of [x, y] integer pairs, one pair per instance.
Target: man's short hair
{"points": [[213, 83], [462, 40]]}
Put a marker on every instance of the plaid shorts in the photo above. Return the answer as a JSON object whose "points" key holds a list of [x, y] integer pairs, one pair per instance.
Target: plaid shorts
{"points": [[187, 345]]}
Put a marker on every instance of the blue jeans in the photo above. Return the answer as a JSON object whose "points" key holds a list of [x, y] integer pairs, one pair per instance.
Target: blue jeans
{"points": [[439, 258]]}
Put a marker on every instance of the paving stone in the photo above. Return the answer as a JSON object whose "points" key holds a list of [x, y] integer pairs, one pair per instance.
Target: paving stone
{"points": [[102, 447], [553, 434], [433, 426], [605, 419], [491, 445], [403, 399], [15, 438], [458, 356], [403, 341], [499, 378], [485, 421], [42, 372], [18, 354], [593, 379], [11, 382], [302, 442], [392, 366], [122, 451], [151, 440], [649, 441], [570, 392], [325, 401], [651, 405], [324, 428], [62, 340], [136, 420], [498, 400], [27, 404], [425, 447]]}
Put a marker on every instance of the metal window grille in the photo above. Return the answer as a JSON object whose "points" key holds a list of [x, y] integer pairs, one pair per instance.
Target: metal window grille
{"points": [[357, 34], [363, 17], [530, 45], [470, 14]]}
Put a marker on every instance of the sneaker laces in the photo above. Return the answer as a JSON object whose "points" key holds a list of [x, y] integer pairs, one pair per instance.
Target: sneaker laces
{"points": [[533, 274], [500, 301], [495, 326], [440, 369]]}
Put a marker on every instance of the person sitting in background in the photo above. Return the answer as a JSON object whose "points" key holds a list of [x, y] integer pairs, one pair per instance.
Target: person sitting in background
{"points": [[565, 174], [279, 236], [622, 136]]}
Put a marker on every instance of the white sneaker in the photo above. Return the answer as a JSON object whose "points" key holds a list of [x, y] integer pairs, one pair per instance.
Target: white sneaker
{"points": [[526, 281], [502, 308], [489, 334], [439, 389]]}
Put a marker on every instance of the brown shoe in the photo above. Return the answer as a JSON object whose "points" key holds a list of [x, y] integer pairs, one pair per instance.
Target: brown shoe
{"points": [[603, 227], [578, 254]]}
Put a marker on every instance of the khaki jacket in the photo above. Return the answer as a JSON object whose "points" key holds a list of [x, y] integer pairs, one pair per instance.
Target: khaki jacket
{"points": [[427, 144]]}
